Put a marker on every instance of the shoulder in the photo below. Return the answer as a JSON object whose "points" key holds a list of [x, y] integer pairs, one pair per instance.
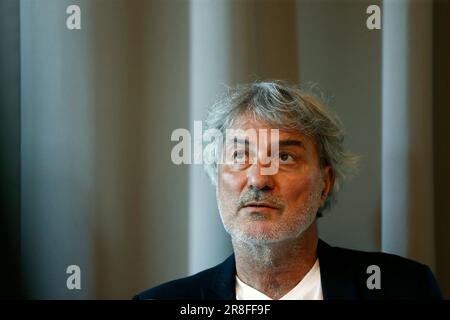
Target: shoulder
{"points": [[194, 287], [357, 257], [183, 288], [398, 277]]}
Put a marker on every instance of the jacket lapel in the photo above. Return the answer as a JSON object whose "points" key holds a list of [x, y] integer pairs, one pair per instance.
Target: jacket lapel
{"points": [[335, 271], [222, 285], [336, 274]]}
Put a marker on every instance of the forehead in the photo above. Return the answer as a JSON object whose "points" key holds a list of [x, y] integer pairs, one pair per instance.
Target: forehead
{"points": [[246, 121]]}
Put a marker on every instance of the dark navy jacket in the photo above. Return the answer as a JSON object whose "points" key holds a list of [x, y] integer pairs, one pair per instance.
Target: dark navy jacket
{"points": [[343, 275]]}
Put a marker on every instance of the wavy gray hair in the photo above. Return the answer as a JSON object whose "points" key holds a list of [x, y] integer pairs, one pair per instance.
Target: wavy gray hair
{"points": [[286, 107]]}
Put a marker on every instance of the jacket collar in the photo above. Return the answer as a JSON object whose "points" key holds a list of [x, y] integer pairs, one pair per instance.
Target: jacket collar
{"points": [[336, 275], [223, 282]]}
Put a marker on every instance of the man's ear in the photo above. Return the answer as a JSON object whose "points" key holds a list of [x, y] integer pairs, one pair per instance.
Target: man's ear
{"points": [[328, 178]]}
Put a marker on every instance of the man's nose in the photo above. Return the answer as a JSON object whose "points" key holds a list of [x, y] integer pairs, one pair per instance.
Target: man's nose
{"points": [[256, 180]]}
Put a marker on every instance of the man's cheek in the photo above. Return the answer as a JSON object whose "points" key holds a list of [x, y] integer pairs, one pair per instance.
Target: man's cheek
{"points": [[230, 182]]}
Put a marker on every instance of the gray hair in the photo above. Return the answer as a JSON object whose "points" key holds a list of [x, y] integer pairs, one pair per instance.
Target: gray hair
{"points": [[286, 107]]}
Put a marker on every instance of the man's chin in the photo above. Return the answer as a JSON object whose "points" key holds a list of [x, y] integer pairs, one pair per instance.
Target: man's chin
{"points": [[260, 238]]}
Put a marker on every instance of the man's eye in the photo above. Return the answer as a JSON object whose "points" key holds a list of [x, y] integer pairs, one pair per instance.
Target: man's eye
{"points": [[286, 158]]}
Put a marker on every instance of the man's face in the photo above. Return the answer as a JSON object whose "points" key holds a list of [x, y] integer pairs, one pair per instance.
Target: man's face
{"points": [[261, 208]]}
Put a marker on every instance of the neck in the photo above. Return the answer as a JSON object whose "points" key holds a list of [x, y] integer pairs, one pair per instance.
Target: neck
{"points": [[276, 268]]}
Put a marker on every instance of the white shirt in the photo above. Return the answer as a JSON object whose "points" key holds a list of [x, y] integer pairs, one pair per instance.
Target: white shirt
{"points": [[309, 288]]}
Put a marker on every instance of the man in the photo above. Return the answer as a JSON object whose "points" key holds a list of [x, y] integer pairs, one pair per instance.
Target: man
{"points": [[271, 217]]}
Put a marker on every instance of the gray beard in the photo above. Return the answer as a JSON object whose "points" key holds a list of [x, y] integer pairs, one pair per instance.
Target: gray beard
{"points": [[262, 255], [262, 245]]}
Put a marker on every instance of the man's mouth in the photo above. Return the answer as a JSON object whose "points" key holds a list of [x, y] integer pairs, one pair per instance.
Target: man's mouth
{"points": [[257, 204]]}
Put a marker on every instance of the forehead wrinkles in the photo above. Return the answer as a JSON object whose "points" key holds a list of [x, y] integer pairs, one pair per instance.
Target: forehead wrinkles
{"points": [[277, 120], [253, 132], [284, 123]]}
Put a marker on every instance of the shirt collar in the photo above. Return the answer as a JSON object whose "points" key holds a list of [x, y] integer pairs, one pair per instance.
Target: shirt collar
{"points": [[309, 288]]}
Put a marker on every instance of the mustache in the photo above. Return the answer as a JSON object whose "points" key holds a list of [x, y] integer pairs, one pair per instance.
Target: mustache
{"points": [[259, 195]]}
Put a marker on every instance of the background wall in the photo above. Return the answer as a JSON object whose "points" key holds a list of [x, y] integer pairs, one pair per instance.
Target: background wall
{"points": [[339, 53], [98, 106], [98, 186], [441, 97], [407, 148], [10, 149]]}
